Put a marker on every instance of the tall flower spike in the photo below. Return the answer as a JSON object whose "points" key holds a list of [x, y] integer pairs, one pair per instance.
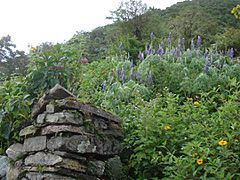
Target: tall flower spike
{"points": [[131, 74], [151, 36], [123, 75], [206, 68], [179, 44], [149, 79], [121, 46], [211, 58], [132, 64], [140, 56], [183, 43], [231, 53], [206, 54], [170, 39], [192, 45], [118, 73], [199, 41], [104, 86]]}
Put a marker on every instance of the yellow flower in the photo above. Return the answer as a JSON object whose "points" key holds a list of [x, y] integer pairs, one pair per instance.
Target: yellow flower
{"points": [[33, 49], [190, 99], [200, 161], [196, 103], [194, 154], [167, 127], [222, 143]]}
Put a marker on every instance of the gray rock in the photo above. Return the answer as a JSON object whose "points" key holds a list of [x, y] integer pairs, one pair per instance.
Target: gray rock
{"points": [[29, 130], [96, 168], [59, 92], [56, 143], [3, 166], [52, 129], [65, 117], [15, 151], [50, 108], [46, 176], [35, 143], [41, 118], [72, 165], [114, 169], [13, 171], [41, 158]]}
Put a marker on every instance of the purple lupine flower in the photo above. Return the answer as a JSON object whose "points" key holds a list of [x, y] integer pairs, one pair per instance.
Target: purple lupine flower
{"points": [[138, 76], [140, 56], [179, 43], [183, 43], [211, 58], [109, 77], [206, 54], [132, 64], [151, 36], [118, 73], [231, 53], [192, 45], [121, 46], [197, 53], [149, 79], [219, 64], [199, 41], [206, 67], [170, 39], [160, 51], [104, 86], [123, 75], [150, 50], [131, 74]]}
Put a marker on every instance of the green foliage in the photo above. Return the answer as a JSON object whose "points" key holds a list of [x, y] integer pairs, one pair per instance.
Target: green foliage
{"points": [[236, 11], [15, 106]]}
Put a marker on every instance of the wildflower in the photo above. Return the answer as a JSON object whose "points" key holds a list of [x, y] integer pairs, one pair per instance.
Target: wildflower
{"points": [[222, 143], [151, 36], [231, 53], [131, 74], [137, 76], [33, 49], [211, 57], [149, 80], [118, 73], [183, 43], [179, 43], [104, 86], [194, 154], [140, 56], [190, 99], [199, 41], [196, 103], [84, 60], [206, 54], [121, 46], [167, 127], [160, 51], [123, 75], [192, 45], [200, 161], [132, 64], [206, 68]]}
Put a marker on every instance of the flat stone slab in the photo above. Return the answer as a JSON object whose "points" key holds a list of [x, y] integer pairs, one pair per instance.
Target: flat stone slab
{"points": [[65, 117], [83, 144], [15, 151], [44, 159], [46, 176], [87, 109], [3, 166], [35, 143], [29, 130], [51, 129]]}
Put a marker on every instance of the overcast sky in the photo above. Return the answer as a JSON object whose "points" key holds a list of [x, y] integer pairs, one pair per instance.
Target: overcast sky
{"points": [[30, 22]]}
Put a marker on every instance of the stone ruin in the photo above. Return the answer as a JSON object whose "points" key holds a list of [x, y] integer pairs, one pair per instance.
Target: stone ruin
{"points": [[67, 140]]}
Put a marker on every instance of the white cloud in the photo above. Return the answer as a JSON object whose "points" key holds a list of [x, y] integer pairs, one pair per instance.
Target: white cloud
{"points": [[31, 22]]}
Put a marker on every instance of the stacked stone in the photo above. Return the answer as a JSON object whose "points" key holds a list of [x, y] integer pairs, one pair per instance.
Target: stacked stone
{"points": [[67, 140]]}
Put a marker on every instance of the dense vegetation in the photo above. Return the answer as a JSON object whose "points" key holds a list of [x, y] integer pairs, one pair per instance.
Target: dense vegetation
{"points": [[179, 99]]}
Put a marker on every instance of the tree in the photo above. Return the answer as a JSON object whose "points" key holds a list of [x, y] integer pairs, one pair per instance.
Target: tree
{"points": [[11, 60], [130, 15], [236, 11]]}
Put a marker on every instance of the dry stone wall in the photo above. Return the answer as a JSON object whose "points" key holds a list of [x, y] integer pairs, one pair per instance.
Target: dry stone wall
{"points": [[67, 140]]}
